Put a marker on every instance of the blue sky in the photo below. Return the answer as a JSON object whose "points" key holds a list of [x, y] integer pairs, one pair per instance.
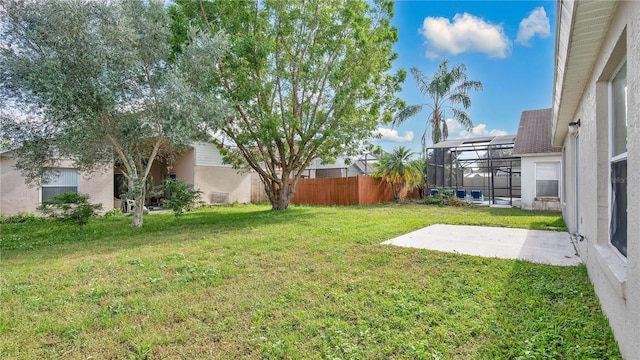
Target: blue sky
{"points": [[507, 45]]}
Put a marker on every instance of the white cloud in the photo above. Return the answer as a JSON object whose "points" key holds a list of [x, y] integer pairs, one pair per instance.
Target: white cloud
{"points": [[392, 135], [456, 131], [467, 33], [536, 23]]}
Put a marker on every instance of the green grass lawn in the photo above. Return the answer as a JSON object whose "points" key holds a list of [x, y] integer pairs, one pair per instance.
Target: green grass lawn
{"points": [[309, 282]]}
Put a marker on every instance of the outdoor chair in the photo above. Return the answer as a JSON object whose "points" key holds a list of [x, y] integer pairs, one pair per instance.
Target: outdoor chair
{"points": [[476, 195], [434, 192], [461, 194]]}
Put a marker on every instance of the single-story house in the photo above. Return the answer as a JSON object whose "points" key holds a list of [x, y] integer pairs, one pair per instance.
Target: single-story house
{"points": [[17, 197], [540, 161], [596, 121], [201, 165]]}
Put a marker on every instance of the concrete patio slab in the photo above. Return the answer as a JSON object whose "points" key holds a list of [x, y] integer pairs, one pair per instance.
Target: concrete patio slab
{"points": [[545, 247]]}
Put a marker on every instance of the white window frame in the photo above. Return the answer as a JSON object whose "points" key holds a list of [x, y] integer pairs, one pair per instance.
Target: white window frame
{"points": [[558, 178], [618, 157]]}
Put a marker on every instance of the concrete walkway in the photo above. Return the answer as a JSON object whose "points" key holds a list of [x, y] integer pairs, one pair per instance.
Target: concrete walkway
{"points": [[546, 247]]}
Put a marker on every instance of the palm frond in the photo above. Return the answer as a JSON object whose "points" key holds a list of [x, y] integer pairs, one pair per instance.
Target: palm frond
{"points": [[406, 113], [448, 87], [421, 80], [460, 98], [463, 118], [468, 85]]}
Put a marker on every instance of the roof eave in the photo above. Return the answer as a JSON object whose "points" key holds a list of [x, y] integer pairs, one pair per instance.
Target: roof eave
{"points": [[577, 24]]}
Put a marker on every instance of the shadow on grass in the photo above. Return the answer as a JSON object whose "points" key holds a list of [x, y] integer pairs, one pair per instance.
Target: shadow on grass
{"points": [[158, 228]]}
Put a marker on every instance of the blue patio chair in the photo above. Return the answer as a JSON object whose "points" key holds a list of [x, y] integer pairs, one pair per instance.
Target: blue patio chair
{"points": [[433, 192], [461, 194], [476, 195]]}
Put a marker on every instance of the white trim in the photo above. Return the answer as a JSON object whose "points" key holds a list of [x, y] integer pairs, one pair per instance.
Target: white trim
{"points": [[576, 170], [614, 267], [617, 158], [558, 176]]}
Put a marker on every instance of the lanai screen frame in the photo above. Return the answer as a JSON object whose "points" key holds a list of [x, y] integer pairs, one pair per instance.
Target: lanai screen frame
{"points": [[495, 162]]}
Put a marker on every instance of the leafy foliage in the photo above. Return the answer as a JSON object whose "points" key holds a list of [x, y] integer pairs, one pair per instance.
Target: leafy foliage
{"points": [[95, 82], [183, 196], [444, 200], [19, 218], [70, 207], [398, 169], [305, 79], [447, 89]]}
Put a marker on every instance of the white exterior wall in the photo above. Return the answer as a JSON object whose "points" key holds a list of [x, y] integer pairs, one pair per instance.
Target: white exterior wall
{"points": [[616, 279], [528, 182]]}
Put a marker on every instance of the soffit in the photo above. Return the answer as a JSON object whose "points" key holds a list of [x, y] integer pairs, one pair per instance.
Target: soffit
{"points": [[582, 26]]}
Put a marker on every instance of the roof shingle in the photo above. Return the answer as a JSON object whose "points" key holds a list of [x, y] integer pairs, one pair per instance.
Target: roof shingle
{"points": [[534, 133]]}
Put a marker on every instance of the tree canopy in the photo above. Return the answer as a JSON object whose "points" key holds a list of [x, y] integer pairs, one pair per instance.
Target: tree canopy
{"points": [[98, 81], [447, 89], [305, 80]]}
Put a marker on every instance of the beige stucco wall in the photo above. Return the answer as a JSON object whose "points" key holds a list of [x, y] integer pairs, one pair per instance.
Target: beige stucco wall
{"points": [[528, 181], [616, 279], [222, 179], [16, 196], [184, 167]]}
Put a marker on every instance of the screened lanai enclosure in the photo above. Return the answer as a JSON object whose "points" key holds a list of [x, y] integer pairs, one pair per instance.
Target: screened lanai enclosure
{"points": [[480, 170]]}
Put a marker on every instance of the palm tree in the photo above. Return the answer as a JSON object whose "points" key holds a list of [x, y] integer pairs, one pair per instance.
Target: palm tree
{"points": [[447, 89], [398, 169]]}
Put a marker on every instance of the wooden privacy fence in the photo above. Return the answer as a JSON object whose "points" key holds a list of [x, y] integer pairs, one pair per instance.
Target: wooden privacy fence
{"points": [[355, 190]]}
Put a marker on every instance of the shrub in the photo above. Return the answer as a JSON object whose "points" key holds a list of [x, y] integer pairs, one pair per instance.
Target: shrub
{"points": [[113, 213], [183, 196], [70, 207], [20, 217], [444, 198]]}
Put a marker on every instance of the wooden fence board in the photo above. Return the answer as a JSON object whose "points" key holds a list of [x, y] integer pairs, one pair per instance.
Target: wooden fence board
{"points": [[355, 190]]}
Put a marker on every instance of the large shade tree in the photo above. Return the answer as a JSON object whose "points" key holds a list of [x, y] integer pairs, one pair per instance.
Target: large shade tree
{"points": [[305, 79], [94, 83], [448, 90]]}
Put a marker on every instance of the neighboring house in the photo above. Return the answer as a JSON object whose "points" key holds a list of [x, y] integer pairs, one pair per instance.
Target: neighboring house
{"points": [[540, 162], [17, 197], [596, 120], [344, 166], [201, 166]]}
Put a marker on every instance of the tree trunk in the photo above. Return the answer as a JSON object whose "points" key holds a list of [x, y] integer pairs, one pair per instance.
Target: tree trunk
{"points": [[280, 195], [136, 220], [139, 194]]}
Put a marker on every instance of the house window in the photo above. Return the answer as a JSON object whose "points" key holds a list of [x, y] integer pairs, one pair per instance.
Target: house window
{"points": [[547, 179], [58, 181], [618, 160]]}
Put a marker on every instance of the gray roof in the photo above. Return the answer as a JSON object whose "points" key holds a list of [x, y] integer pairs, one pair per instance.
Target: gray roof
{"points": [[483, 141], [534, 133]]}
